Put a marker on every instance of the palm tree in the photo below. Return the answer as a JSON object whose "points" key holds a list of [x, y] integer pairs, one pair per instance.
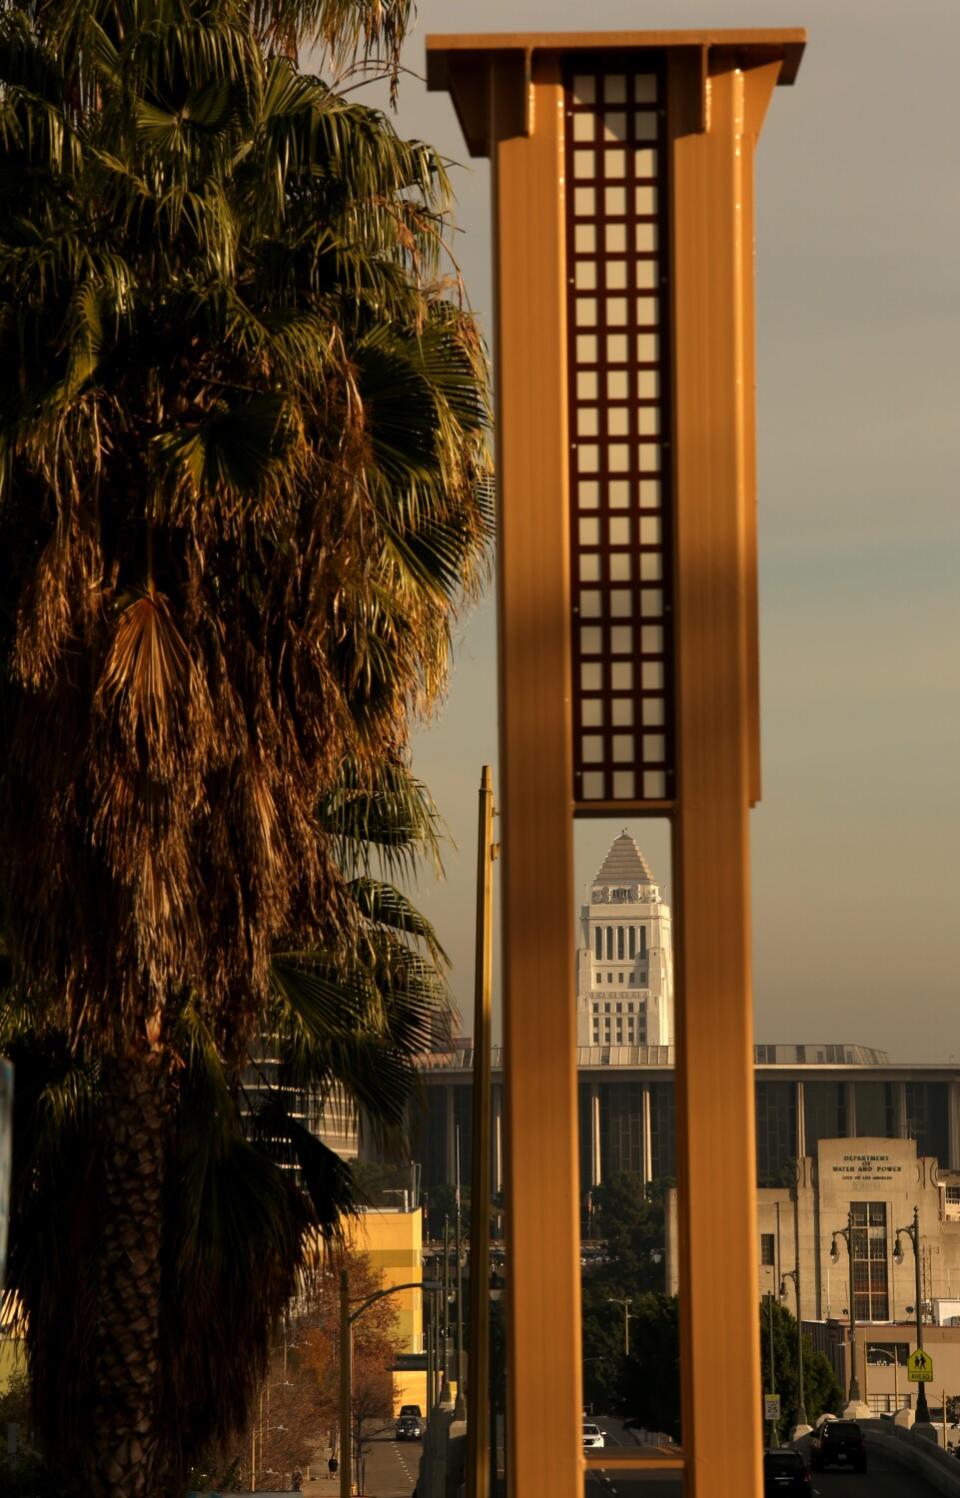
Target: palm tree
{"points": [[243, 489], [239, 1229]]}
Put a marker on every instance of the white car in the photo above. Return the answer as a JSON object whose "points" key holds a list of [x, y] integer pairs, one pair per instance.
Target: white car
{"points": [[592, 1437]]}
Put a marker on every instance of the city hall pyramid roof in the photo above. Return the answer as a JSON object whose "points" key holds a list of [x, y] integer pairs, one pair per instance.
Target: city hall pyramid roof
{"points": [[624, 864]]}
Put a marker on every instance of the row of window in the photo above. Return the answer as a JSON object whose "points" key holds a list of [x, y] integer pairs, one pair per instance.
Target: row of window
{"points": [[635, 980], [605, 1005], [628, 940]]}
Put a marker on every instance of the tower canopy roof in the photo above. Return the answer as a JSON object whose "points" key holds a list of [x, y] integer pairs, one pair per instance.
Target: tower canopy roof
{"points": [[624, 864]]}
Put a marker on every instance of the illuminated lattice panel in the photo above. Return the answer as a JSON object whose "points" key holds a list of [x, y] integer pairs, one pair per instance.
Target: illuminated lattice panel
{"points": [[619, 471]]}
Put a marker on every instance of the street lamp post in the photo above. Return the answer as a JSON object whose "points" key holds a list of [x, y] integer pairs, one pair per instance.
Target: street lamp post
{"points": [[853, 1394], [615, 1300], [913, 1233], [347, 1318], [793, 1274]]}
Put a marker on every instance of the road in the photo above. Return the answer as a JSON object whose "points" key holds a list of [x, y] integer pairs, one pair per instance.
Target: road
{"points": [[884, 1478]]}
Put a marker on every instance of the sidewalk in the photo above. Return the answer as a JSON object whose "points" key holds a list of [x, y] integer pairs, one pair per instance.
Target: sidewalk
{"points": [[392, 1468]]}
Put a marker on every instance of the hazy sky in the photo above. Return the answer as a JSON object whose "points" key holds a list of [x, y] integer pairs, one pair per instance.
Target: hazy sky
{"points": [[855, 856]]}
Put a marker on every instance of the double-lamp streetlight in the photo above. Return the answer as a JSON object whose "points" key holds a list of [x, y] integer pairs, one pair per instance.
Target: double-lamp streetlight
{"points": [[846, 1233], [913, 1233], [792, 1274]]}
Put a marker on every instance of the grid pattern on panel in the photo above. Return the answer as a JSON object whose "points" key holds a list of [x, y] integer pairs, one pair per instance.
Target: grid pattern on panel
{"points": [[621, 582]]}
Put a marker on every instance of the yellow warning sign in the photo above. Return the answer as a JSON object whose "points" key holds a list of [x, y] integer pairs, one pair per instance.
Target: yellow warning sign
{"points": [[919, 1366]]}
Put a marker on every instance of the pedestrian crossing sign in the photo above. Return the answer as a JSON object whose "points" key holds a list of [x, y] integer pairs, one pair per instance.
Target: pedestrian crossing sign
{"points": [[919, 1366]]}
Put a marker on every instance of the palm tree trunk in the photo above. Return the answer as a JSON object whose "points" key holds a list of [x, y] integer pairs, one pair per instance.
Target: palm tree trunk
{"points": [[125, 1451]]}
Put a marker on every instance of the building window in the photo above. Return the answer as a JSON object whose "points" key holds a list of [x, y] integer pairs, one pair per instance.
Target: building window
{"points": [[632, 943], [619, 943], [609, 977], [767, 1249], [926, 1104], [885, 1354], [609, 943], [606, 1008], [868, 1261], [619, 977], [596, 1033], [953, 1196], [598, 942], [643, 941], [619, 1008], [776, 1133]]}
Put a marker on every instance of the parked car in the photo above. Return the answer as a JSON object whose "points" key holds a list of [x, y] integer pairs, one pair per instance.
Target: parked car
{"points": [[593, 1436], [785, 1472], [839, 1443], [409, 1423]]}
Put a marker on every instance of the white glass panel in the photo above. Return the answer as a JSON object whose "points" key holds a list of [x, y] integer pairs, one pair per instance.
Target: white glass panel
{"points": [[646, 238], [587, 421], [654, 746], [585, 88], [621, 603], [617, 348], [649, 529], [618, 421], [651, 639], [648, 384], [655, 785], [615, 200], [648, 310], [586, 311], [645, 88], [591, 712], [614, 163], [621, 712], [651, 566], [584, 164], [583, 126], [615, 239], [648, 347], [615, 126], [616, 311], [651, 603], [647, 277], [589, 567], [645, 162], [617, 387], [618, 494], [623, 747], [624, 785], [588, 493], [646, 125], [586, 348], [618, 457], [651, 676], [621, 567], [584, 202], [591, 677], [619, 530], [585, 275], [590, 601], [615, 88], [649, 496], [648, 454], [589, 530], [621, 639], [587, 385], [593, 785], [588, 459], [616, 273], [585, 239], [653, 715], [648, 421], [621, 676], [646, 200], [591, 639]]}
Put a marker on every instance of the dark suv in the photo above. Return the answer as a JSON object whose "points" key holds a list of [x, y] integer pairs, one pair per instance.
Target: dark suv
{"points": [[784, 1472], [409, 1423], [839, 1443]]}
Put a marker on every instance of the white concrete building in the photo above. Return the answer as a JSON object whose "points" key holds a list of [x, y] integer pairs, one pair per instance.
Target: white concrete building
{"points": [[625, 960]]}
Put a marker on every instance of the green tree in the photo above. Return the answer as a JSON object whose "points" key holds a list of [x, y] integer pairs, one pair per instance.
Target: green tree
{"points": [[649, 1382], [821, 1391], [629, 1219]]}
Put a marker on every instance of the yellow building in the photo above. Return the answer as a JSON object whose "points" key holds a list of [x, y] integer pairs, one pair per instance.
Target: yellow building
{"points": [[393, 1242]]}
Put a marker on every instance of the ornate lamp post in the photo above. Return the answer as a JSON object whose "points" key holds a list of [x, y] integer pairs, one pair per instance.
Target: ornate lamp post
{"points": [[853, 1394], [913, 1233], [793, 1274]]}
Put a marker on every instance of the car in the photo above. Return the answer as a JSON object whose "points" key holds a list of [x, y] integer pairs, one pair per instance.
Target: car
{"points": [[839, 1443], [593, 1437], [409, 1423], [785, 1471]]}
